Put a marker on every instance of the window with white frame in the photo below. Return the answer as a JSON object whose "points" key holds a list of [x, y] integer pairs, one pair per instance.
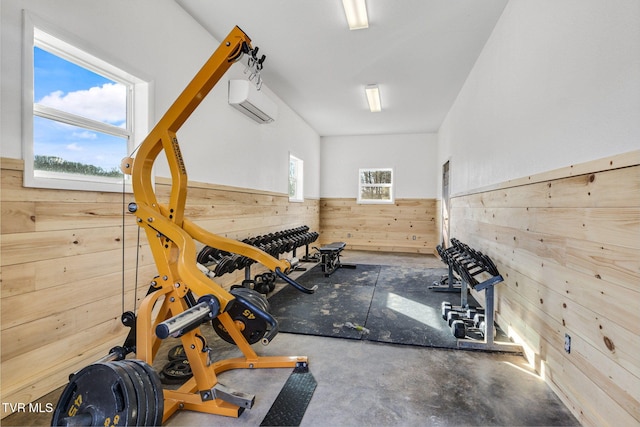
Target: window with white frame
{"points": [[296, 179], [375, 185], [81, 117]]}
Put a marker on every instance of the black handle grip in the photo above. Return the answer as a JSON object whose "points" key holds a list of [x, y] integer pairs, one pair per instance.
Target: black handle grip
{"points": [[295, 284]]}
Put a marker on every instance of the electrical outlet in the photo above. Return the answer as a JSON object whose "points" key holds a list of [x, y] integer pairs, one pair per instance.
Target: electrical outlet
{"points": [[567, 343]]}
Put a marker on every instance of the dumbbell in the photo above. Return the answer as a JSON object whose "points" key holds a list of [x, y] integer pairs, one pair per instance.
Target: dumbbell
{"points": [[261, 240], [206, 255], [224, 266], [281, 244], [445, 307], [453, 315], [209, 254], [308, 238], [260, 286], [482, 326], [477, 318], [459, 328], [244, 262], [265, 282], [460, 322]]}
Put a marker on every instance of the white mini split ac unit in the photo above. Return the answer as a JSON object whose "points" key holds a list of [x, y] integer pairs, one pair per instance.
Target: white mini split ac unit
{"points": [[252, 102]]}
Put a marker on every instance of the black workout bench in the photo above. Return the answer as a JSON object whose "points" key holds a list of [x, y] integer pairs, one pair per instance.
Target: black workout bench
{"points": [[330, 257]]}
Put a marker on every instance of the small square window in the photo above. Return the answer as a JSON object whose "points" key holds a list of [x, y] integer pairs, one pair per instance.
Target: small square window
{"points": [[375, 186]]}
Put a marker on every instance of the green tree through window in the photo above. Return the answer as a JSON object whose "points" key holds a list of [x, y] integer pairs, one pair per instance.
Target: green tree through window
{"points": [[375, 186]]}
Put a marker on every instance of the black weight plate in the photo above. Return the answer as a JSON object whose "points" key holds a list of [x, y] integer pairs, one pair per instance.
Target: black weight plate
{"points": [[148, 393], [137, 374], [132, 405], [237, 262], [177, 371], [157, 395], [98, 395], [176, 352], [254, 326]]}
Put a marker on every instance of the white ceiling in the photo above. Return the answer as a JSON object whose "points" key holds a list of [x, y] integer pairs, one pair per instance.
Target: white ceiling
{"points": [[418, 51]]}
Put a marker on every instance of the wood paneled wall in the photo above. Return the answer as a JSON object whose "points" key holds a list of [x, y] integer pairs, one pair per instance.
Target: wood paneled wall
{"points": [[408, 225], [568, 246], [63, 269]]}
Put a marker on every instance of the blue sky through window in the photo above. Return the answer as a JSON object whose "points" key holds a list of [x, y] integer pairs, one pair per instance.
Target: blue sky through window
{"points": [[52, 73], [67, 87]]}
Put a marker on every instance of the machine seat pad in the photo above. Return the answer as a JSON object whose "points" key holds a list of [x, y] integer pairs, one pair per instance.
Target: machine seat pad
{"points": [[333, 247]]}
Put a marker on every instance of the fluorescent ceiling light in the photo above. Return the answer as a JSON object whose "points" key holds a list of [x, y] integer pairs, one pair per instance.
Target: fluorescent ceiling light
{"points": [[356, 11], [373, 97]]}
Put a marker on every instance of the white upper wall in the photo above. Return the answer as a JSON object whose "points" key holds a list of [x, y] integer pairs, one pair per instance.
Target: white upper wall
{"points": [[413, 158], [158, 40], [558, 83]]}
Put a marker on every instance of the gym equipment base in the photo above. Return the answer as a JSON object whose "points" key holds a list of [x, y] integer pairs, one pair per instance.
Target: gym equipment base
{"points": [[219, 400], [214, 398], [292, 401], [489, 346]]}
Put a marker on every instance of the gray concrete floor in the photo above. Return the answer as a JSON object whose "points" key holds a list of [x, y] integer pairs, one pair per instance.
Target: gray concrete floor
{"points": [[363, 383]]}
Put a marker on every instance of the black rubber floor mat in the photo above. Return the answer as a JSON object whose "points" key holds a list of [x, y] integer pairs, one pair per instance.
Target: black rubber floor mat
{"points": [[390, 304], [291, 404], [341, 299], [405, 311]]}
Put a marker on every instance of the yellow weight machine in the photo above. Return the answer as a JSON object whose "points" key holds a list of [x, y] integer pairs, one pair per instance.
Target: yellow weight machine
{"points": [[172, 239]]}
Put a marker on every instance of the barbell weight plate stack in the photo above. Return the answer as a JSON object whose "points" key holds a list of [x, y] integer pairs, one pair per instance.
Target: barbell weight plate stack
{"points": [[140, 387], [156, 394], [101, 394], [148, 390]]}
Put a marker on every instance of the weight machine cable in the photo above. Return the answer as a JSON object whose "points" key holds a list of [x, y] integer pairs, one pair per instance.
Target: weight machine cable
{"points": [[135, 289], [124, 203], [123, 234]]}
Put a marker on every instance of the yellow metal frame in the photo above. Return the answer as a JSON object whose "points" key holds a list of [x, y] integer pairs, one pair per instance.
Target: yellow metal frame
{"points": [[172, 240]]}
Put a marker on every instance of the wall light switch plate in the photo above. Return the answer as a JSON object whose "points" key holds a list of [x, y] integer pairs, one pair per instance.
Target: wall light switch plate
{"points": [[567, 343]]}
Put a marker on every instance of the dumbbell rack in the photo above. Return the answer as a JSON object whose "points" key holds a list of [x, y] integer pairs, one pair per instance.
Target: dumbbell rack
{"points": [[489, 342], [452, 284], [469, 264], [216, 262]]}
